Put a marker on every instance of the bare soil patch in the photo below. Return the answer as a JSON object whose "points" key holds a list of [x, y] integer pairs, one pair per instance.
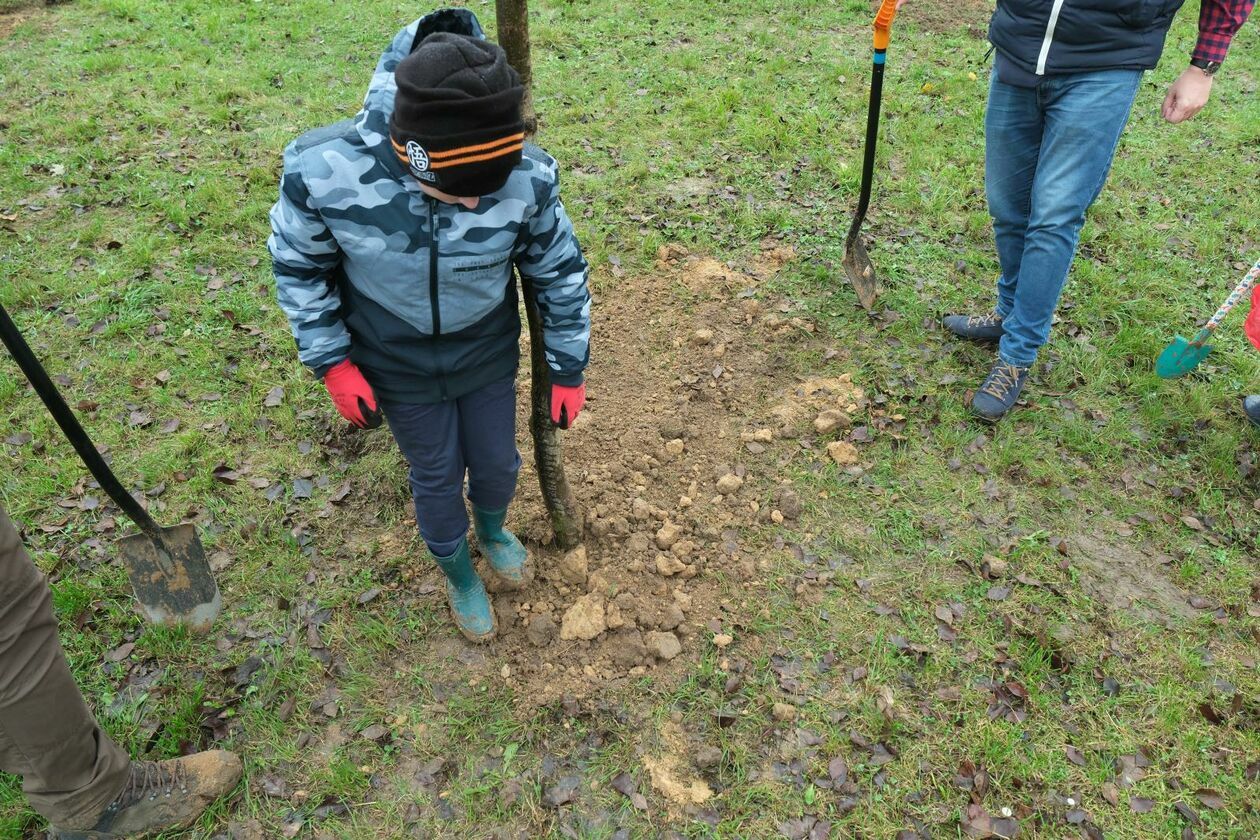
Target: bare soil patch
{"points": [[14, 14], [1123, 577], [946, 17], [674, 463]]}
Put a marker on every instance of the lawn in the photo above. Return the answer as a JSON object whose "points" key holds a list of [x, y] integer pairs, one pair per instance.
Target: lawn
{"points": [[898, 624]]}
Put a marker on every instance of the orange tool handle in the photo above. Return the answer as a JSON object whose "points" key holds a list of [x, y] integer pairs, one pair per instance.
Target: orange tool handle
{"points": [[883, 23]]}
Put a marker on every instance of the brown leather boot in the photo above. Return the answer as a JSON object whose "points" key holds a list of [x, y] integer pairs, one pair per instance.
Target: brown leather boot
{"points": [[161, 796]]}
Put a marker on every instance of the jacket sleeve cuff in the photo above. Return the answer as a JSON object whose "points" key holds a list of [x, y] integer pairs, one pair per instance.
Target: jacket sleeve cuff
{"points": [[1211, 52], [321, 371], [568, 380]]}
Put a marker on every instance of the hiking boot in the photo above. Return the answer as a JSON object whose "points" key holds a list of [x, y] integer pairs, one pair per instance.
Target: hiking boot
{"points": [[470, 607], [162, 796], [986, 327], [504, 551], [999, 392], [1251, 405]]}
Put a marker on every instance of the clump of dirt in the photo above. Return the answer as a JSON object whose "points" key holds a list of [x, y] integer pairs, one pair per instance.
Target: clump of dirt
{"points": [[1122, 577], [669, 769], [829, 403], [673, 462]]}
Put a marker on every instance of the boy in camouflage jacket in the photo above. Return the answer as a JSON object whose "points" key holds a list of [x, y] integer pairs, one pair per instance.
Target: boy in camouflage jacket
{"points": [[393, 245]]}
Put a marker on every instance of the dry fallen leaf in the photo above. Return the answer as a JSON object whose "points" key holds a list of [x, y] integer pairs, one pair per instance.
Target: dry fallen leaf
{"points": [[226, 474], [1210, 798], [121, 652], [623, 784]]}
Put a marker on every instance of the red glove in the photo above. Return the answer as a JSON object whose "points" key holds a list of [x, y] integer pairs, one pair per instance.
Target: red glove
{"points": [[1252, 327], [352, 395], [566, 403]]}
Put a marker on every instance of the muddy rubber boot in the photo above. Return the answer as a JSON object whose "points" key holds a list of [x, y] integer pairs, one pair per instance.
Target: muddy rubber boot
{"points": [[1251, 406], [162, 796], [987, 327], [504, 551], [999, 392], [470, 607]]}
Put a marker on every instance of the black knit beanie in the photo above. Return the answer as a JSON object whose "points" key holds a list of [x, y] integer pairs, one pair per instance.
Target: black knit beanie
{"points": [[457, 115]]}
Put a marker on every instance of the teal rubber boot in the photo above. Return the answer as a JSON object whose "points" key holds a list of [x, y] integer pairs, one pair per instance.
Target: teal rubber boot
{"points": [[504, 551], [470, 607]]}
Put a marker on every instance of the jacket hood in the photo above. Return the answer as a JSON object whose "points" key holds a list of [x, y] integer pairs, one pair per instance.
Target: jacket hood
{"points": [[372, 122]]}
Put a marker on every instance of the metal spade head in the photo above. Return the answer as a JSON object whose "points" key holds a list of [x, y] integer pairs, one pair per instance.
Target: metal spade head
{"points": [[1180, 358], [857, 265], [172, 579]]}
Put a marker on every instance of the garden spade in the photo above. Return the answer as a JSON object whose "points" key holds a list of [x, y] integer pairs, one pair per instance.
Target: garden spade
{"points": [[1181, 356], [167, 566], [856, 263]]}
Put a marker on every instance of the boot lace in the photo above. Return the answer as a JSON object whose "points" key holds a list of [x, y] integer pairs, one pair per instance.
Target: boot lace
{"points": [[990, 319], [149, 780], [1002, 380]]}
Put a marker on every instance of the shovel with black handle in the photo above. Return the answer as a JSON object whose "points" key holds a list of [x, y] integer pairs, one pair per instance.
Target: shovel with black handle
{"points": [[167, 566], [857, 265]]}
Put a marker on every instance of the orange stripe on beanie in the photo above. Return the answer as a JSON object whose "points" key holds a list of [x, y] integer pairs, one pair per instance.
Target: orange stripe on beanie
{"points": [[456, 123]]}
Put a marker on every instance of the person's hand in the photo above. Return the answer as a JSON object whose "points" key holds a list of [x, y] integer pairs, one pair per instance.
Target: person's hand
{"points": [[1187, 96], [566, 403], [900, 3], [352, 395]]}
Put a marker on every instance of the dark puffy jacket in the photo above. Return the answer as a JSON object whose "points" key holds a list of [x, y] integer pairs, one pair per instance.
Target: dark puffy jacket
{"points": [[1071, 36]]}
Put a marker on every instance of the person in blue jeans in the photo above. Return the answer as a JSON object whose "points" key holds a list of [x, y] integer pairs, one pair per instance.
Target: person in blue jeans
{"points": [[1064, 79]]}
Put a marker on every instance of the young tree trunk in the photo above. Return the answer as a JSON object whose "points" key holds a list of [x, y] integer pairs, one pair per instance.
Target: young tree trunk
{"points": [[513, 25], [566, 519]]}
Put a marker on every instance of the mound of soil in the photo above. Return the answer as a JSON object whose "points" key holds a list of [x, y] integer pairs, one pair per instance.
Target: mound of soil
{"points": [[674, 465]]}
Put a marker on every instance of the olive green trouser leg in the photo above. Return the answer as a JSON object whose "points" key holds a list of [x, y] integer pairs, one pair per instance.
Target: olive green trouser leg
{"points": [[70, 769]]}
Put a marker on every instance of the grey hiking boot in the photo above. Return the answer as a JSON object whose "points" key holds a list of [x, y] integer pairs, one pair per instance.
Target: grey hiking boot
{"points": [[987, 327], [162, 796], [1251, 405], [999, 392]]}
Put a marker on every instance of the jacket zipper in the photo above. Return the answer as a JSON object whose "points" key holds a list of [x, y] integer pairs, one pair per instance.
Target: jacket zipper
{"points": [[434, 308], [1049, 39]]}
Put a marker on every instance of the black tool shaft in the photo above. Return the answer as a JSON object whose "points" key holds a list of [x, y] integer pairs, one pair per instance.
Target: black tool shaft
{"points": [[872, 135], [34, 371]]}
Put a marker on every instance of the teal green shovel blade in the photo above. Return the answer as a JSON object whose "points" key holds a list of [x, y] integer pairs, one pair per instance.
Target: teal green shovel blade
{"points": [[1180, 357]]}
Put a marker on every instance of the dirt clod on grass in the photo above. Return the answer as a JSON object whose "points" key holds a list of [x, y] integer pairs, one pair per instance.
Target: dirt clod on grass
{"points": [[670, 768]]}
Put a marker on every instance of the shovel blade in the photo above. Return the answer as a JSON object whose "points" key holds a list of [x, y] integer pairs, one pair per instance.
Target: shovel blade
{"points": [[861, 274], [173, 583], [1180, 357]]}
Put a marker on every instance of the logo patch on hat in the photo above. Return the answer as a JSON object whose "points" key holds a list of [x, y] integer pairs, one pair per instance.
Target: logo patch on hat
{"points": [[418, 159]]}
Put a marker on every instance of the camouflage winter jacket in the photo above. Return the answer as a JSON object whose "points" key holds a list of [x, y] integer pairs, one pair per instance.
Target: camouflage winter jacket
{"points": [[419, 293]]}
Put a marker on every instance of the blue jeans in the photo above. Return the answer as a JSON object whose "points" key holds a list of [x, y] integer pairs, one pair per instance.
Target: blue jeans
{"points": [[474, 433], [1048, 150]]}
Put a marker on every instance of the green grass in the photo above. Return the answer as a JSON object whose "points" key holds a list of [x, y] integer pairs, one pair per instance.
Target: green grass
{"points": [[140, 154]]}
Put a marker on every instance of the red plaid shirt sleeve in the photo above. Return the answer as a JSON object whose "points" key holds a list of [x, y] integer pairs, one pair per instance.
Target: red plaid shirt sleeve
{"points": [[1218, 21]]}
